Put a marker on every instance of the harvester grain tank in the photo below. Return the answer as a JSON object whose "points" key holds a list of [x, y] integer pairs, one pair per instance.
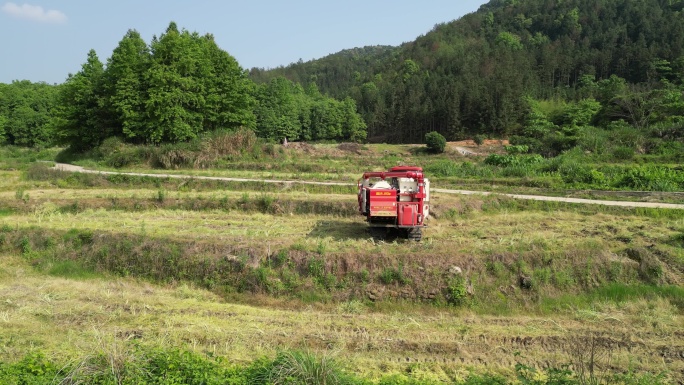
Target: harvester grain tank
{"points": [[398, 198]]}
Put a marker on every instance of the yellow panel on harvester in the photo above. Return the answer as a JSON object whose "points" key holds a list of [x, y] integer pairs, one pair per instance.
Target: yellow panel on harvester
{"points": [[383, 203]]}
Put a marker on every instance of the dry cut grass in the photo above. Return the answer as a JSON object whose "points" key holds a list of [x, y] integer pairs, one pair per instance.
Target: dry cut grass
{"points": [[70, 318]]}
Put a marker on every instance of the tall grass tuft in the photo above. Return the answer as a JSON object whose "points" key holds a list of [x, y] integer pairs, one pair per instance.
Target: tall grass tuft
{"points": [[296, 367]]}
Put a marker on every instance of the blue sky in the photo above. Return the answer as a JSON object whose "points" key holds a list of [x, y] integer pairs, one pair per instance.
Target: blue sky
{"points": [[45, 40]]}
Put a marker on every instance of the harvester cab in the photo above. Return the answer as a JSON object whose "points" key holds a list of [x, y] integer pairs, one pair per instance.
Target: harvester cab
{"points": [[398, 198]]}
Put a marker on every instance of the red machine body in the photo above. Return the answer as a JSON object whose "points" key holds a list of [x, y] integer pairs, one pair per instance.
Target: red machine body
{"points": [[398, 198]]}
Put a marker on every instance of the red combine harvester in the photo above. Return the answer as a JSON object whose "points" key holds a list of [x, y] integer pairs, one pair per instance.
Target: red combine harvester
{"points": [[398, 198]]}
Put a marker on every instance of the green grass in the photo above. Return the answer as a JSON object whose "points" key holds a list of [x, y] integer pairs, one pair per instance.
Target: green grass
{"points": [[622, 293], [134, 363], [72, 270], [615, 293], [19, 158], [137, 364]]}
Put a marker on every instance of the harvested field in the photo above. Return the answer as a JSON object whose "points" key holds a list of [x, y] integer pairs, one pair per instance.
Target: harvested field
{"points": [[244, 274]]}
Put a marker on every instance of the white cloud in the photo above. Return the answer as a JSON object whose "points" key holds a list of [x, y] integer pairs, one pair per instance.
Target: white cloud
{"points": [[35, 13]]}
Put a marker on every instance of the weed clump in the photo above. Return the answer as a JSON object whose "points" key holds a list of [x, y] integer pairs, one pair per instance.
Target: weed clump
{"points": [[456, 290], [296, 367], [391, 275]]}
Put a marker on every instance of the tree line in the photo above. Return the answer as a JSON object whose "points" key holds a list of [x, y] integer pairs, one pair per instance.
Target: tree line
{"points": [[171, 90]]}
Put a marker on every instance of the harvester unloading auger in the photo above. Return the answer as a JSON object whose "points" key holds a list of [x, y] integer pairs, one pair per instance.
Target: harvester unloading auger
{"points": [[398, 198]]}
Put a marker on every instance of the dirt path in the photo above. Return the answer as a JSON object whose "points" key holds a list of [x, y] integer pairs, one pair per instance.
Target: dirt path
{"points": [[72, 168], [464, 151]]}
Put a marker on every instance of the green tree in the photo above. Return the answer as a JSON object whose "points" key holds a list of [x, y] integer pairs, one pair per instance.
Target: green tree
{"points": [[637, 106], [304, 102], [509, 40], [175, 100], [436, 143], [353, 127], [326, 119], [82, 122], [581, 113], [26, 113], [277, 112], [287, 110], [469, 76], [126, 87], [229, 100], [192, 87]]}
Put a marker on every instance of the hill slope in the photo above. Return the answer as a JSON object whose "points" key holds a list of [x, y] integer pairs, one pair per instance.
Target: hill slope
{"points": [[471, 75]]}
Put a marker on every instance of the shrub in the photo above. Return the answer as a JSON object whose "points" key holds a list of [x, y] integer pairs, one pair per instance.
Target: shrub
{"points": [[442, 168], [623, 153], [673, 150], [316, 268], [352, 307], [652, 178], [456, 291], [509, 160], [534, 145], [390, 275], [34, 368], [436, 143], [174, 156], [574, 172], [110, 146], [517, 149], [594, 140], [161, 195], [153, 366]]}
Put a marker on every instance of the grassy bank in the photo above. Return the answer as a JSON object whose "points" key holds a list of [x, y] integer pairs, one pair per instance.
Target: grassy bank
{"points": [[100, 328]]}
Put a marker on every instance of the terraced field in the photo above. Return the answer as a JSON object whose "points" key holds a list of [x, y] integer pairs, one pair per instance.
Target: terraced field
{"points": [[245, 272]]}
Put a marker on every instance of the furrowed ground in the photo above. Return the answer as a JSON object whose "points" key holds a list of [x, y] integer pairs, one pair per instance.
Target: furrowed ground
{"points": [[243, 271]]}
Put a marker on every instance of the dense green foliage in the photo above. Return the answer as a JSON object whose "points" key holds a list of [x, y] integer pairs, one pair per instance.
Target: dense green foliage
{"points": [[476, 74], [172, 90], [286, 110], [26, 111], [179, 86]]}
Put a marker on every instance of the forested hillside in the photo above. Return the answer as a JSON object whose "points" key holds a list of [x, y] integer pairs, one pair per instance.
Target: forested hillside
{"points": [[477, 75]]}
